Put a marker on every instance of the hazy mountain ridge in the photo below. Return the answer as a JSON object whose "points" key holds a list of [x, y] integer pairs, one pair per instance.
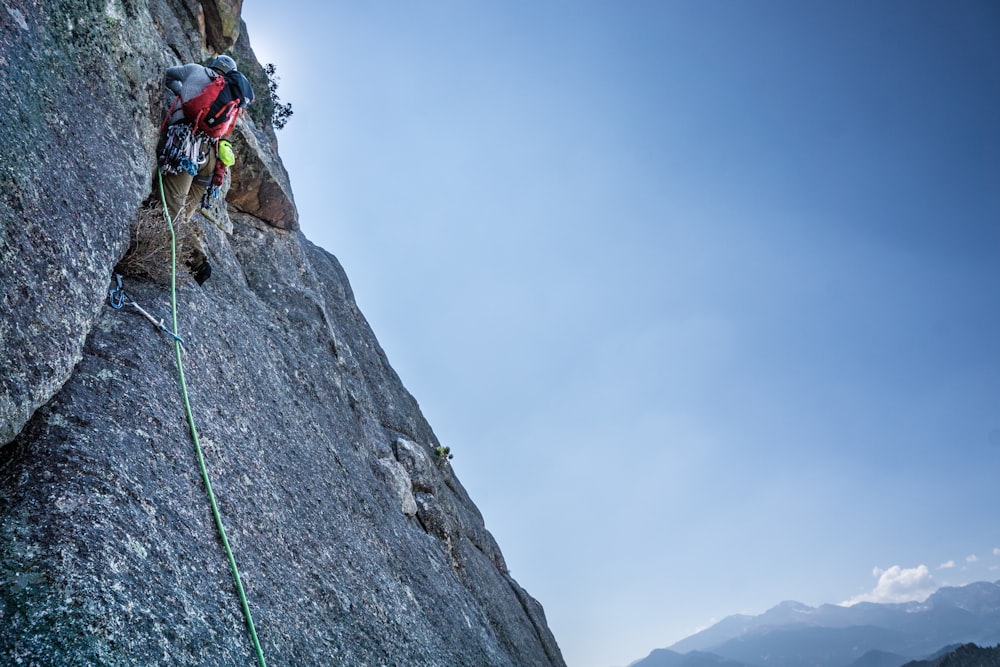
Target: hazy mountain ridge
{"points": [[867, 634], [662, 657]]}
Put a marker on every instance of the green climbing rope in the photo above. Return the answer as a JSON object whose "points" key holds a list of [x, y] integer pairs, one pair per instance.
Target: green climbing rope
{"points": [[194, 433]]}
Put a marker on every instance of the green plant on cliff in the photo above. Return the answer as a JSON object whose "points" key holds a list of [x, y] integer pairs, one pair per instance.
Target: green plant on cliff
{"points": [[280, 113], [267, 109], [443, 453]]}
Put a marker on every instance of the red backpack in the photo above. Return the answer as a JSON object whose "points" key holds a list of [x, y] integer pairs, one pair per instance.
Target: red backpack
{"points": [[215, 109]]}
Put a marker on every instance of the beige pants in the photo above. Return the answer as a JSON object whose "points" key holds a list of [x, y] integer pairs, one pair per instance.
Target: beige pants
{"points": [[183, 193]]}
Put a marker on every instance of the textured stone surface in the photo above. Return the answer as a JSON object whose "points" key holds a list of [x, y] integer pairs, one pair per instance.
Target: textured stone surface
{"points": [[357, 544], [83, 100], [75, 162], [260, 184], [222, 23]]}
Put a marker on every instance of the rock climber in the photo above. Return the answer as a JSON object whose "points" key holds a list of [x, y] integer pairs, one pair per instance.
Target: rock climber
{"points": [[194, 153]]}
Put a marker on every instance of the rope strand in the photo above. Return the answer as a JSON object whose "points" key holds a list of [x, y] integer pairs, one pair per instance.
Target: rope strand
{"points": [[194, 435]]}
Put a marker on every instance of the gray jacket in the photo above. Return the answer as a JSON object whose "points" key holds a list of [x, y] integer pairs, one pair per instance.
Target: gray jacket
{"points": [[187, 81]]}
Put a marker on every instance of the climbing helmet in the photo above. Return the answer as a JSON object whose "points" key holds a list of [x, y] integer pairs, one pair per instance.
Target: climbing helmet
{"points": [[224, 64]]}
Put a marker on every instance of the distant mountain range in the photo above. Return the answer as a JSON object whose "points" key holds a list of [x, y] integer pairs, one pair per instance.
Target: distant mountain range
{"points": [[863, 635]]}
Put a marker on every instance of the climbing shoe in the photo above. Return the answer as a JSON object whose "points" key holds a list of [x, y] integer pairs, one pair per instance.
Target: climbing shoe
{"points": [[202, 272]]}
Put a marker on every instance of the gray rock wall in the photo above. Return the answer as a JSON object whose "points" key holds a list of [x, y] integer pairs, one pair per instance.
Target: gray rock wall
{"points": [[356, 543]]}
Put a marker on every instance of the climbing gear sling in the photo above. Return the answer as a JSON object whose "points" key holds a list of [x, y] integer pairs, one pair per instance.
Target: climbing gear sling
{"points": [[194, 436], [184, 150], [119, 298]]}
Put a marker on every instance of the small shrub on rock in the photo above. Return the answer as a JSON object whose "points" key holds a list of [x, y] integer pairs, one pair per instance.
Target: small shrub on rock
{"points": [[148, 254]]}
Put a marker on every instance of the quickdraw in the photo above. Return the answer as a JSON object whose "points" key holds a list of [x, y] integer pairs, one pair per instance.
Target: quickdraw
{"points": [[119, 298], [184, 150], [211, 194], [214, 189]]}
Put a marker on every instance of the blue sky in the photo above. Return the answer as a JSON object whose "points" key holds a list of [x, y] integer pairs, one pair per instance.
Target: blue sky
{"points": [[703, 295]]}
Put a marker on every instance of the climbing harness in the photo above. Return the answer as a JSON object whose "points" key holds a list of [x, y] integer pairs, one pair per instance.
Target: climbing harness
{"points": [[120, 298], [194, 435], [184, 150]]}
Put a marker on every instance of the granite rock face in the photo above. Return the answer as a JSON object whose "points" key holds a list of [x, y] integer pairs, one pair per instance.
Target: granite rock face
{"points": [[357, 544], [74, 162], [79, 118]]}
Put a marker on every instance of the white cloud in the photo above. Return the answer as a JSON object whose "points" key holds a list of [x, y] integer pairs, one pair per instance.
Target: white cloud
{"points": [[971, 559], [899, 585], [947, 565], [996, 551]]}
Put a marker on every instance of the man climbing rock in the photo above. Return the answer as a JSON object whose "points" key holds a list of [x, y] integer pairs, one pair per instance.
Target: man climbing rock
{"points": [[194, 154]]}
